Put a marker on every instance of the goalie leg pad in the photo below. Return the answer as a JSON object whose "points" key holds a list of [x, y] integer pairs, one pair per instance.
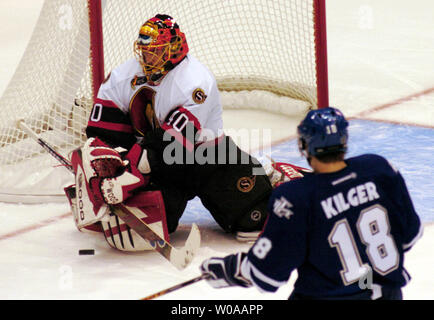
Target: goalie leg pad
{"points": [[86, 209], [71, 194], [150, 208]]}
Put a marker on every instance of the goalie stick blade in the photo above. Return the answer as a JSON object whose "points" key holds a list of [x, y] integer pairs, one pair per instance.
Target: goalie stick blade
{"points": [[182, 257]]}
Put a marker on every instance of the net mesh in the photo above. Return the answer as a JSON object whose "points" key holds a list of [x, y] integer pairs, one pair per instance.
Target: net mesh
{"points": [[249, 45]]}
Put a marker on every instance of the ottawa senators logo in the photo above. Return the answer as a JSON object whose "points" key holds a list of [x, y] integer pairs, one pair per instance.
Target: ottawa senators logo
{"points": [[246, 184], [255, 215], [199, 96]]}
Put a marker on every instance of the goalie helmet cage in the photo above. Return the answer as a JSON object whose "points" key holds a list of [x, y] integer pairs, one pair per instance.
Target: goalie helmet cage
{"points": [[263, 49]]}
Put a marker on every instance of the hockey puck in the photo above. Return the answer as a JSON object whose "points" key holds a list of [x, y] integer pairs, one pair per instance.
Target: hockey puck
{"points": [[86, 252]]}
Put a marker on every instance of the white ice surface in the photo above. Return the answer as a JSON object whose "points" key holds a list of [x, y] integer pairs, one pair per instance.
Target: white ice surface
{"points": [[379, 51]]}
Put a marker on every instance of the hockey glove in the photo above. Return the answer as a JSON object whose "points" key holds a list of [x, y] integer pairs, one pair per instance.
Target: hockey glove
{"points": [[279, 172], [225, 272], [111, 179]]}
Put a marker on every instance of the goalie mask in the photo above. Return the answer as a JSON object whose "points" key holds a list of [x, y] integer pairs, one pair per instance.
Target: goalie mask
{"points": [[323, 131], [160, 46]]}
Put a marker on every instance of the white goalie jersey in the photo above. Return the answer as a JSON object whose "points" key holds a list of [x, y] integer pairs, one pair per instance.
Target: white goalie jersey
{"points": [[188, 93]]}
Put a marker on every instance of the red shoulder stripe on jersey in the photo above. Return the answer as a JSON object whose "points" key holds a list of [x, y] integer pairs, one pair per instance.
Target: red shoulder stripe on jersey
{"points": [[191, 117], [172, 126], [106, 103], [111, 126]]}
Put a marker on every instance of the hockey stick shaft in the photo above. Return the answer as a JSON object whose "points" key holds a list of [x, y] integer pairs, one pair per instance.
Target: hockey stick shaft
{"points": [[176, 287], [22, 125], [180, 258]]}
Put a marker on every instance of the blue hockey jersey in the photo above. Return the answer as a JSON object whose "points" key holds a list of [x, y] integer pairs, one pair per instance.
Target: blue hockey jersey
{"points": [[335, 228]]}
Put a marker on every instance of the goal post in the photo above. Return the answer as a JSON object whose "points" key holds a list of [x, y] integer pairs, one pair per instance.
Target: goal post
{"points": [[277, 46], [96, 45], [274, 51], [320, 35]]}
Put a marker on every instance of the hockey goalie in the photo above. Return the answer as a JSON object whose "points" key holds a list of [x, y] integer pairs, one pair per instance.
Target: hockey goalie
{"points": [[160, 103], [104, 177]]}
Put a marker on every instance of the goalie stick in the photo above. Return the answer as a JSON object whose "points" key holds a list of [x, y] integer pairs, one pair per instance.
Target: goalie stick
{"points": [[180, 258]]}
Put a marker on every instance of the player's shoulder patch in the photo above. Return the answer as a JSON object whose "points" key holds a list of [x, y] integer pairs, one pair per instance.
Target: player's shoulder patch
{"points": [[296, 191], [199, 96], [282, 207]]}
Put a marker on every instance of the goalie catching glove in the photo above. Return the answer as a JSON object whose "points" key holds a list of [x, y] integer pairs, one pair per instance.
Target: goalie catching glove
{"points": [[111, 178], [225, 272]]}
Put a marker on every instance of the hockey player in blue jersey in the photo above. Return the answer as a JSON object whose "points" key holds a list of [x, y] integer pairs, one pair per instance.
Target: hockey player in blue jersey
{"points": [[344, 228]]}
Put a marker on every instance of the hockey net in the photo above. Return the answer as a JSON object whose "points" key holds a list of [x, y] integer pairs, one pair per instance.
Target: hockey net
{"points": [[274, 52]]}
